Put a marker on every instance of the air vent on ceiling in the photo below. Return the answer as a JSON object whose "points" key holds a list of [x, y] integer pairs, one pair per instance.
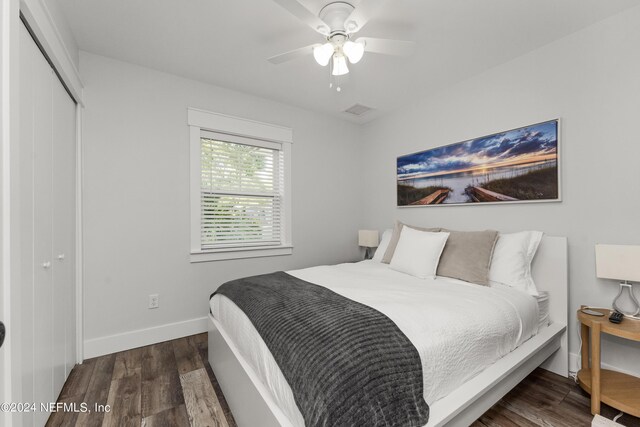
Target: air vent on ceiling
{"points": [[358, 109]]}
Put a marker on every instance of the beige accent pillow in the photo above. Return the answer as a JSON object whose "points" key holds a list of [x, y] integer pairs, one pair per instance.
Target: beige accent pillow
{"points": [[395, 236], [467, 255]]}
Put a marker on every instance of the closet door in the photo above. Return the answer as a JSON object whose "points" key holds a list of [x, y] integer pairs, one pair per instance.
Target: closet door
{"points": [[63, 164], [47, 229], [42, 236]]}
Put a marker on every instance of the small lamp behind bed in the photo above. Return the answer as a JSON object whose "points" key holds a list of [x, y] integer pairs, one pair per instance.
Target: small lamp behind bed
{"points": [[368, 239], [621, 262]]}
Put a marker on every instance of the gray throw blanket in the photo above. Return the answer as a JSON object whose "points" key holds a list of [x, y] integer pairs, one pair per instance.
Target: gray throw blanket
{"points": [[347, 364]]}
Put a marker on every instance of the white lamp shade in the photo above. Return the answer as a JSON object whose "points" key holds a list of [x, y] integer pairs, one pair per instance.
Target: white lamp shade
{"points": [[368, 238], [339, 65], [322, 54], [620, 262], [354, 51]]}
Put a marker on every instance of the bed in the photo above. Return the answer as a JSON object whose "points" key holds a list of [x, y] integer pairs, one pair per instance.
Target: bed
{"points": [[458, 391]]}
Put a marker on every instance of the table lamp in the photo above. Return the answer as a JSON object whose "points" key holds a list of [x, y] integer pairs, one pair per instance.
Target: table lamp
{"points": [[368, 239], [621, 262]]}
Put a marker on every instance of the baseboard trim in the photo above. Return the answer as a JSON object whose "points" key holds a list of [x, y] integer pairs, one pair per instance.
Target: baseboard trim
{"points": [[127, 340], [574, 365]]}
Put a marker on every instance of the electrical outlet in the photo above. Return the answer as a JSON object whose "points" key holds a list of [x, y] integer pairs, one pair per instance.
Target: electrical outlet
{"points": [[154, 301]]}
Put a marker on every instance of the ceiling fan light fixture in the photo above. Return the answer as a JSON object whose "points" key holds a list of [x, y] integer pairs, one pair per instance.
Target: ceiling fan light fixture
{"points": [[322, 54], [339, 65], [354, 51]]}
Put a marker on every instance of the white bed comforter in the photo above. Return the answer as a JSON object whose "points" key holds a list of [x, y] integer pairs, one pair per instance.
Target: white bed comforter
{"points": [[458, 328]]}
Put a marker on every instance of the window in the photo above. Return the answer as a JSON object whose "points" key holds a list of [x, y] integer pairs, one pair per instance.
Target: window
{"points": [[240, 198], [240, 203]]}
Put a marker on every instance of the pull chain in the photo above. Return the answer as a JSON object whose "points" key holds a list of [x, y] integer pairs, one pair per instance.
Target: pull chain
{"points": [[333, 80]]}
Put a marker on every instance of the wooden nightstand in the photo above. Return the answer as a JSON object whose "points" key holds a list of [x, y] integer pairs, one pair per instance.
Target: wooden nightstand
{"points": [[616, 389]]}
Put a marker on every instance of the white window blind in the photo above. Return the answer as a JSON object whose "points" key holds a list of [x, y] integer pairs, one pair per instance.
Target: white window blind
{"points": [[241, 192]]}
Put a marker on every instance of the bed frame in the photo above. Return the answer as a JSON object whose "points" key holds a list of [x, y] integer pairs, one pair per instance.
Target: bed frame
{"points": [[252, 405]]}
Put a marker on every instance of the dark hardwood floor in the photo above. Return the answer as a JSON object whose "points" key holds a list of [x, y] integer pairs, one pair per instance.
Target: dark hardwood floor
{"points": [[172, 384], [166, 384]]}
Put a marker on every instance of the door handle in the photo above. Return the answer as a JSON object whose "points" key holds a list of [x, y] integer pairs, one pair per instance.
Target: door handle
{"points": [[61, 257], [3, 332], [46, 264]]}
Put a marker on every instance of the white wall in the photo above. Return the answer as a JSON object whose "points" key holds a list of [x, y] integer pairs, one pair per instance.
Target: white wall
{"points": [[591, 81], [136, 198]]}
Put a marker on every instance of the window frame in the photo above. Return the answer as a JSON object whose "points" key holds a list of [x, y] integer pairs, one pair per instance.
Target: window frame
{"points": [[237, 129]]}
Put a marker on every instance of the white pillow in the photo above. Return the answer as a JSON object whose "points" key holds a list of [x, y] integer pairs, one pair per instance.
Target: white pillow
{"points": [[418, 252], [511, 262], [382, 247]]}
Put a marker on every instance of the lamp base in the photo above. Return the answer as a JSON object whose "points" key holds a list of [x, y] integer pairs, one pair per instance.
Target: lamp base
{"points": [[634, 302], [368, 254]]}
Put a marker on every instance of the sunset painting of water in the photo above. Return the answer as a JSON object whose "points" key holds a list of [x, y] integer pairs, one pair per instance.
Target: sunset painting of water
{"points": [[513, 166]]}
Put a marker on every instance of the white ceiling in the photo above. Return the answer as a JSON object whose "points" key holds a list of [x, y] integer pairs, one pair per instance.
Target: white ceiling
{"points": [[227, 43]]}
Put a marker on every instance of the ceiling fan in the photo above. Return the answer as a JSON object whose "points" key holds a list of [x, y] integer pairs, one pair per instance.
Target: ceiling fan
{"points": [[338, 22]]}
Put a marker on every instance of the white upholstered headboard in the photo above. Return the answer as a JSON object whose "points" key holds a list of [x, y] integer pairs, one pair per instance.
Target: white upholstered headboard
{"points": [[550, 270]]}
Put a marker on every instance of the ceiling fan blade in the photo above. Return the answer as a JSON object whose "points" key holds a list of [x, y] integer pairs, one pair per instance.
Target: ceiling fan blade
{"points": [[361, 15], [387, 47], [293, 54], [305, 15]]}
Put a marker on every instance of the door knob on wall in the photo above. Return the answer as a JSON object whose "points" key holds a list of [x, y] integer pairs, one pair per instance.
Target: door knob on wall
{"points": [[61, 257], [46, 265]]}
